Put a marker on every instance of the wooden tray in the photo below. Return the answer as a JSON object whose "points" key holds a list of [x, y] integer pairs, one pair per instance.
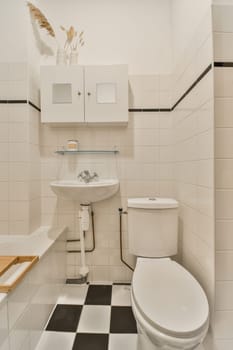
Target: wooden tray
{"points": [[7, 261]]}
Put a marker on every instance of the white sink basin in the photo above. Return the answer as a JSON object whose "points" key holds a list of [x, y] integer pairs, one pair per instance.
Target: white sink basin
{"points": [[85, 192]]}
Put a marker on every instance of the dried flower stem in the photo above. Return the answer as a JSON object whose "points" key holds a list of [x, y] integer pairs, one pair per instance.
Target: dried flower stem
{"points": [[71, 34]]}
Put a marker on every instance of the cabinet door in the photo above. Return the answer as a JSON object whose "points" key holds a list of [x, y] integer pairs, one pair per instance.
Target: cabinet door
{"points": [[106, 94], [62, 94]]}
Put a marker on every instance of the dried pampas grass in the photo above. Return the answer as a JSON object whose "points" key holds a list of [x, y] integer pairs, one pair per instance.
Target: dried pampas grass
{"points": [[70, 33], [41, 19], [71, 36]]}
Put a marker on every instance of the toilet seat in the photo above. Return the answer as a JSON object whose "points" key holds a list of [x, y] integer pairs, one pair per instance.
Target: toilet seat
{"points": [[169, 298]]}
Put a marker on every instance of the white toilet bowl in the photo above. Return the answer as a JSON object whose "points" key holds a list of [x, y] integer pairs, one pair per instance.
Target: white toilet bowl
{"points": [[169, 305]]}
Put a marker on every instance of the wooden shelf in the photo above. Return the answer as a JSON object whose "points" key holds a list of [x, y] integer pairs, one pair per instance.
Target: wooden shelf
{"points": [[6, 262]]}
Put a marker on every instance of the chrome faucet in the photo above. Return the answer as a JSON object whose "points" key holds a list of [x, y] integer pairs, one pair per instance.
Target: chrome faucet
{"points": [[87, 177]]}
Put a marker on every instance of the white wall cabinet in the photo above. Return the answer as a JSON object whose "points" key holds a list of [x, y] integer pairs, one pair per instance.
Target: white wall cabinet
{"points": [[90, 94]]}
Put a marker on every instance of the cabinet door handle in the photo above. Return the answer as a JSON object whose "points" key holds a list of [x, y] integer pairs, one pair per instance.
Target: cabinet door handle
{"points": [[79, 93], [89, 94]]}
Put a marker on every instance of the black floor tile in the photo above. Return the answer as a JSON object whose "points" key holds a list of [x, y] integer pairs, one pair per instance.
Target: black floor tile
{"points": [[65, 318], [122, 320], [86, 341], [99, 295]]}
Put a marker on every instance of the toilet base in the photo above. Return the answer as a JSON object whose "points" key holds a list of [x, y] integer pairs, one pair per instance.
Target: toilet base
{"points": [[144, 343]]}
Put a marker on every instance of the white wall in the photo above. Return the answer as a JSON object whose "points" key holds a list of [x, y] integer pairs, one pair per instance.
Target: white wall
{"points": [[222, 2], [126, 31], [13, 31], [223, 39], [133, 32], [144, 170], [186, 17], [193, 133]]}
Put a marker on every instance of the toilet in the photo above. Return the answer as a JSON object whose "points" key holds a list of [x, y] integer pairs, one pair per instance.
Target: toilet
{"points": [[169, 305]]}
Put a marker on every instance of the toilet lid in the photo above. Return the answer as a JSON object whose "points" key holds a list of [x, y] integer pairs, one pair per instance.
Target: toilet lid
{"points": [[169, 297]]}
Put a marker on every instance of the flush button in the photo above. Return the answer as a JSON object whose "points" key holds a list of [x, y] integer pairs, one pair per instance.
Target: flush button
{"points": [[152, 199]]}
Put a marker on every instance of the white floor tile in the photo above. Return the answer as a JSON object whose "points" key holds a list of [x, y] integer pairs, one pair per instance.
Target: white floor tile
{"points": [[73, 295], [95, 319], [56, 340], [121, 296], [123, 341]]}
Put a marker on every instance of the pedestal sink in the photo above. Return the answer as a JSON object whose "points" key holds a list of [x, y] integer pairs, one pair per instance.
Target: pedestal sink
{"points": [[85, 192]]}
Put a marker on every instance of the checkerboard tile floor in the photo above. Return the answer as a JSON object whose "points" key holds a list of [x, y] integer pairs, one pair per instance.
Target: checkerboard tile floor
{"points": [[91, 317]]}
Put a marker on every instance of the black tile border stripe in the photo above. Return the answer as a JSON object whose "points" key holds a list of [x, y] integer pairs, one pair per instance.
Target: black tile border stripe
{"points": [[17, 101], [141, 110], [34, 106], [20, 102], [201, 76], [223, 64], [149, 109]]}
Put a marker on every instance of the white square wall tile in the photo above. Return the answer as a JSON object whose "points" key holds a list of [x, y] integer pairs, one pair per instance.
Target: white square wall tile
{"points": [[223, 50], [56, 340], [222, 345], [222, 18], [223, 173], [4, 132], [4, 152], [224, 142], [224, 263], [223, 82], [18, 71], [4, 71], [73, 295], [224, 202], [223, 109], [123, 341], [95, 319], [224, 292], [18, 132], [224, 236], [121, 295], [4, 191], [224, 324]]}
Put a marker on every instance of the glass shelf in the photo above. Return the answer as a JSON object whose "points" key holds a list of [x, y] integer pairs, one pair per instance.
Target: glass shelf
{"points": [[63, 152]]}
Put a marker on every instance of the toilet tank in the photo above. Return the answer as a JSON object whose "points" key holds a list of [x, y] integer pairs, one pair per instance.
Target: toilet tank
{"points": [[153, 227]]}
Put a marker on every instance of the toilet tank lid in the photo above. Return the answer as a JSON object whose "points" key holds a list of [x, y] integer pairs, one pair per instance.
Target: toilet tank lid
{"points": [[152, 203]]}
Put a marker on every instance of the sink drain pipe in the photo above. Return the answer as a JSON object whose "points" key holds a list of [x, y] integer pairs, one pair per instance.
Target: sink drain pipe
{"points": [[84, 233], [121, 212], [83, 216]]}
